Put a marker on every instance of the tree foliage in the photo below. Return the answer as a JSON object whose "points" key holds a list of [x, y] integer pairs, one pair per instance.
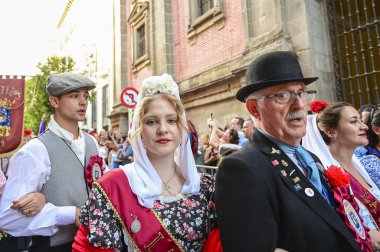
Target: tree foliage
{"points": [[36, 99]]}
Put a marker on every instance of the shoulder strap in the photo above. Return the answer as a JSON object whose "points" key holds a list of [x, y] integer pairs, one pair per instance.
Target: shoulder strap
{"points": [[143, 226]]}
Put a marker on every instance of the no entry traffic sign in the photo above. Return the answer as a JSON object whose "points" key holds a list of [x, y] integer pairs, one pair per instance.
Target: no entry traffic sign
{"points": [[128, 97]]}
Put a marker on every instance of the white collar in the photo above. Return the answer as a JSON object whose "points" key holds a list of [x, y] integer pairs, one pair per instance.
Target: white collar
{"points": [[63, 133]]}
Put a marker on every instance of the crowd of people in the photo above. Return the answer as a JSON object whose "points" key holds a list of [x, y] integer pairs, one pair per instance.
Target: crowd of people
{"points": [[287, 179]]}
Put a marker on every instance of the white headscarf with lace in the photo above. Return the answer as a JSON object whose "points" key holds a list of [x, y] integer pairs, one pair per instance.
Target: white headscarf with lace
{"points": [[314, 142], [143, 177]]}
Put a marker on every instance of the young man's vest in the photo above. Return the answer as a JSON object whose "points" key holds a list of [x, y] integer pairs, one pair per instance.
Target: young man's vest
{"points": [[66, 185]]}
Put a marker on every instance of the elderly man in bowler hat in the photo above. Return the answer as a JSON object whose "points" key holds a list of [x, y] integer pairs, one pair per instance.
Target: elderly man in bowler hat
{"points": [[266, 197], [54, 165]]}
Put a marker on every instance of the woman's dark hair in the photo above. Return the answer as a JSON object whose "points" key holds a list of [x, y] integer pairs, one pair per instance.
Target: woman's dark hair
{"points": [[234, 136], [366, 107], [328, 118], [372, 137]]}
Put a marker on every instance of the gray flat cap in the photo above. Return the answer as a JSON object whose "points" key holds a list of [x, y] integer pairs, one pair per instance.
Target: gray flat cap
{"points": [[59, 84]]}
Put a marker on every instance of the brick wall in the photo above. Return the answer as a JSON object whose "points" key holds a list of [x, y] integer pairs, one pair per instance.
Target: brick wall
{"points": [[212, 46]]}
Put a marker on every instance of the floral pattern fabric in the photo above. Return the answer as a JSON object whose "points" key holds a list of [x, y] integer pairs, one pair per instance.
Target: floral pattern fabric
{"points": [[185, 217], [372, 165]]}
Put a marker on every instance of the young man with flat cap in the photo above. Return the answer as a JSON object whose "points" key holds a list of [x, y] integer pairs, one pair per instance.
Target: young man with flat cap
{"points": [[267, 196], [53, 164]]}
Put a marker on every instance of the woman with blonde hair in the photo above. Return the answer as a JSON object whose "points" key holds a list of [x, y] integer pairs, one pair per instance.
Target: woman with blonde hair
{"points": [[159, 202]]}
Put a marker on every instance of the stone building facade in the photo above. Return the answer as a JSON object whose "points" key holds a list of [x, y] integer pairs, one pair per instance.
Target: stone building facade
{"points": [[208, 45]]}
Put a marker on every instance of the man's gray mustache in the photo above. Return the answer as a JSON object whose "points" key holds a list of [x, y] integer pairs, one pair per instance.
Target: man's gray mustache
{"points": [[296, 114]]}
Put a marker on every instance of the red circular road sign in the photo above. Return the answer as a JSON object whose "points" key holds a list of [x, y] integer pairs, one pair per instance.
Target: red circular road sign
{"points": [[128, 97]]}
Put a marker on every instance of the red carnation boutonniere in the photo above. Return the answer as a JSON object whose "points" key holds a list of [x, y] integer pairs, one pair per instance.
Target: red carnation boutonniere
{"points": [[318, 105], [94, 169], [337, 177]]}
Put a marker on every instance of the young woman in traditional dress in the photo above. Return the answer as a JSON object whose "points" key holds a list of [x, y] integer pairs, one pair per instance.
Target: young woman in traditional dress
{"points": [[159, 202], [333, 134]]}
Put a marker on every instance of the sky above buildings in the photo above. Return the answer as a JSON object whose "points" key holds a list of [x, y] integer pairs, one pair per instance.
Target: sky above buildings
{"points": [[28, 29], [29, 33]]}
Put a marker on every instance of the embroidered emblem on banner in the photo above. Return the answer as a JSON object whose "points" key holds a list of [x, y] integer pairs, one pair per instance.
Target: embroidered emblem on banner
{"points": [[354, 219], [5, 117], [12, 98]]}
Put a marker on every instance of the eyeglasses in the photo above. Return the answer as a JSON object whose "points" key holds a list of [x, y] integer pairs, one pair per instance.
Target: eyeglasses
{"points": [[287, 97]]}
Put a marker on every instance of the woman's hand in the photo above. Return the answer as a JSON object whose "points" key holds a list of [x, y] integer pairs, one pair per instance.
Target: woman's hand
{"points": [[30, 204], [77, 214], [375, 239]]}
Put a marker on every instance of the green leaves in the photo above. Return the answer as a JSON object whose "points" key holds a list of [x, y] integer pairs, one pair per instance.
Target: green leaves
{"points": [[36, 98]]}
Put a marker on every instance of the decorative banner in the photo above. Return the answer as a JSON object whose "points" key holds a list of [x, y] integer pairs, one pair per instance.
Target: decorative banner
{"points": [[12, 97]]}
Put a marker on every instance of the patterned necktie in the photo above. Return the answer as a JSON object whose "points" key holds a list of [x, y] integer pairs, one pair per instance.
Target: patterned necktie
{"points": [[309, 165]]}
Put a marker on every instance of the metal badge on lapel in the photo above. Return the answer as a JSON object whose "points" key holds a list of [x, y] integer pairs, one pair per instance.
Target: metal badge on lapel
{"points": [[275, 162], [136, 225], [296, 180], [309, 192], [275, 151], [284, 163], [297, 187], [283, 172]]}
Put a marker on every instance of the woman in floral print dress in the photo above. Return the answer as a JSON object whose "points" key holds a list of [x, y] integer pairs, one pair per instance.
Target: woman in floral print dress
{"points": [[159, 202]]}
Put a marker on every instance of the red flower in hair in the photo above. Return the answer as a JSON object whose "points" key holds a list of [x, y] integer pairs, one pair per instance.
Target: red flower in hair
{"points": [[337, 177], [318, 105], [27, 132]]}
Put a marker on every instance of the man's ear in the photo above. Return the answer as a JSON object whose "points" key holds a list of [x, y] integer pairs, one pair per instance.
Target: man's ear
{"points": [[53, 101], [376, 130], [251, 106]]}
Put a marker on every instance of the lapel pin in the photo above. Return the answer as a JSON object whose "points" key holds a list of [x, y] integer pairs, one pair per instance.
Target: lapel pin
{"points": [[284, 163], [296, 180], [283, 172], [275, 151], [275, 162], [297, 187], [292, 172], [309, 192]]}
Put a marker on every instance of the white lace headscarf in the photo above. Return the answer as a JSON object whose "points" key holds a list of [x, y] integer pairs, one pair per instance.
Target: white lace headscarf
{"points": [[314, 142], [143, 177]]}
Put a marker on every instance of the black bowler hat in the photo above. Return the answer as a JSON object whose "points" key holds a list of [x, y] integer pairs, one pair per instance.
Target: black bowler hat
{"points": [[271, 69]]}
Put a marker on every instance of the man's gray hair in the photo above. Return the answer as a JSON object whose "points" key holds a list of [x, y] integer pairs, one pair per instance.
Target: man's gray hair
{"points": [[255, 95]]}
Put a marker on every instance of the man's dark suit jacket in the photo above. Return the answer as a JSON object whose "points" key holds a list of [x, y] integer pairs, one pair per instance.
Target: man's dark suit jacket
{"points": [[262, 204]]}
